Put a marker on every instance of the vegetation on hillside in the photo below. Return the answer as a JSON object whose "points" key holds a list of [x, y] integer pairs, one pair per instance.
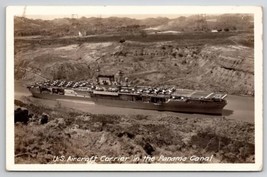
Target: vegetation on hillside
{"points": [[79, 134]]}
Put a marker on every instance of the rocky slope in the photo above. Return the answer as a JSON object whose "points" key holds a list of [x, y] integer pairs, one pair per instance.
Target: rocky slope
{"points": [[78, 134], [215, 62]]}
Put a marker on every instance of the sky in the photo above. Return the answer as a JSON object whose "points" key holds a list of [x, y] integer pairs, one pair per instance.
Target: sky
{"points": [[137, 12]]}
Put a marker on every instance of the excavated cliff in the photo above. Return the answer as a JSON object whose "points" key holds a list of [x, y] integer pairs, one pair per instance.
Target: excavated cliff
{"points": [[224, 63]]}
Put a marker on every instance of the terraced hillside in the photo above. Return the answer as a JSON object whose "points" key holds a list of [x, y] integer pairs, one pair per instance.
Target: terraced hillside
{"points": [[215, 62]]}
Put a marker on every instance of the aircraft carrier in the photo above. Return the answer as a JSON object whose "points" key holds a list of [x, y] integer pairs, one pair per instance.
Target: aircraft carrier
{"points": [[106, 91]]}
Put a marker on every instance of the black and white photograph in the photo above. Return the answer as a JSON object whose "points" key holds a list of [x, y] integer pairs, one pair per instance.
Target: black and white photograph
{"points": [[134, 88]]}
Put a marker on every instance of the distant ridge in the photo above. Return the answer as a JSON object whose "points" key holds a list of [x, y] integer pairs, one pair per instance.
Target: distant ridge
{"points": [[122, 25]]}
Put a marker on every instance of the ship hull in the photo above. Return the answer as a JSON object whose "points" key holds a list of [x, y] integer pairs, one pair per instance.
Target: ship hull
{"points": [[56, 96], [173, 106]]}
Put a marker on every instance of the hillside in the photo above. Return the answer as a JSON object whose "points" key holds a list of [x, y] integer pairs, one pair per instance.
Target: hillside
{"points": [[128, 26], [204, 61], [79, 134]]}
